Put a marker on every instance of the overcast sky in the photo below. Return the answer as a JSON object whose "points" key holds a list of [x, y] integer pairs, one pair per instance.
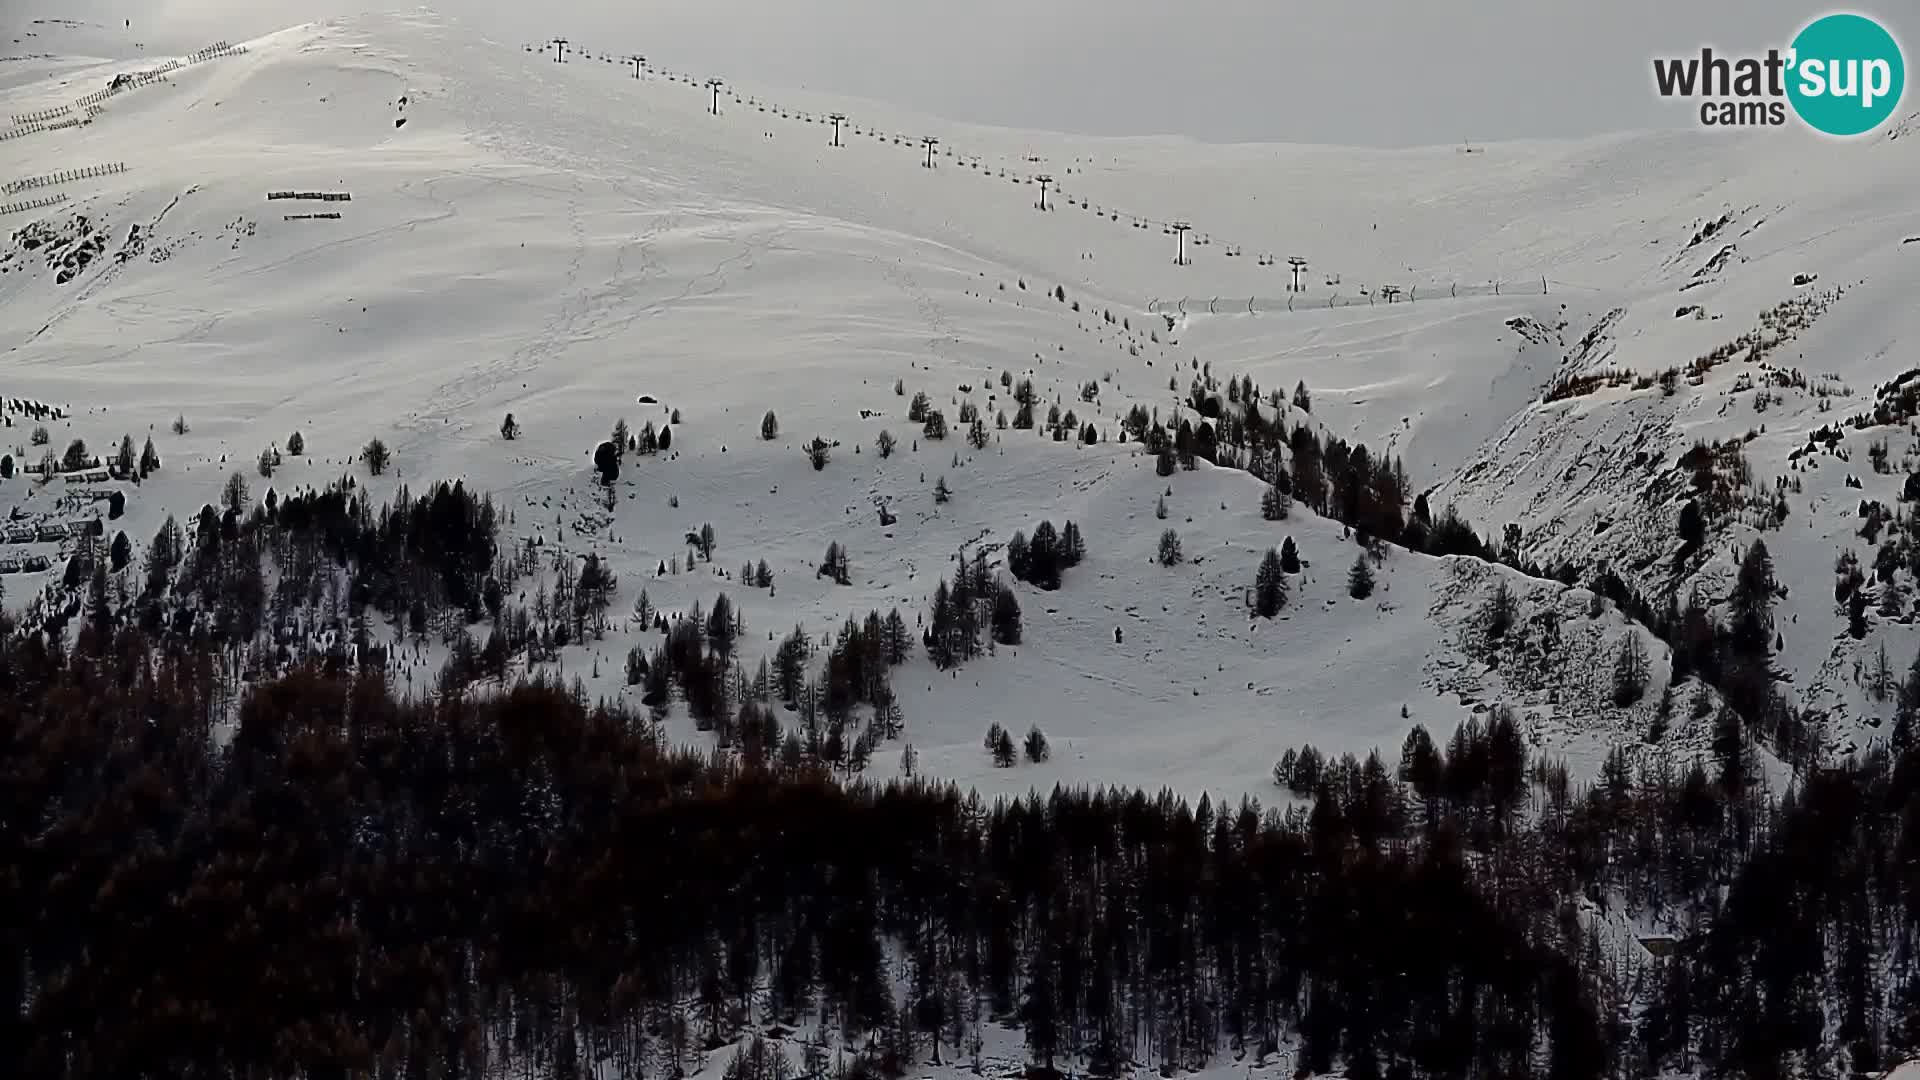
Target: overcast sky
{"points": [[1385, 72]]}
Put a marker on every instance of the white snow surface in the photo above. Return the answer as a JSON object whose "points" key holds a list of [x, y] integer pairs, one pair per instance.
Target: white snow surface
{"points": [[557, 240]]}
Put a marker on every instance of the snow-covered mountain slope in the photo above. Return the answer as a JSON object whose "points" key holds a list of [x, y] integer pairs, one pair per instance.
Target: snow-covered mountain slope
{"points": [[576, 246]]}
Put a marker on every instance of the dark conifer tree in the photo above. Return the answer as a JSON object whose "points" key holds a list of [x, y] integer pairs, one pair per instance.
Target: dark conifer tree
{"points": [[1005, 754], [1073, 547], [1036, 746], [1006, 616], [1269, 586], [1170, 553]]}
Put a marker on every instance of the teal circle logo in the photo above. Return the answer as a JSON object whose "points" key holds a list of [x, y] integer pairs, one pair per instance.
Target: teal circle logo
{"points": [[1847, 75]]}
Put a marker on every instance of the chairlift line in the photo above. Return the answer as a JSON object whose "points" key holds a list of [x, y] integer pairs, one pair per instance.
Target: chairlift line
{"points": [[1180, 230]]}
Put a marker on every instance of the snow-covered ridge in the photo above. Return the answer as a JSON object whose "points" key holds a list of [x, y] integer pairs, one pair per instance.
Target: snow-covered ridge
{"points": [[575, 245]]}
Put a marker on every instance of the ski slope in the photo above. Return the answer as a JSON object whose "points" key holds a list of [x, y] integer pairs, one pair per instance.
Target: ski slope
{"points": [[562, 240]]}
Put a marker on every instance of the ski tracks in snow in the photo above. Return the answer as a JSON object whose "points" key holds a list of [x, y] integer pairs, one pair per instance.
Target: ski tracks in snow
{"points": [[586, 316], [930, 310]]}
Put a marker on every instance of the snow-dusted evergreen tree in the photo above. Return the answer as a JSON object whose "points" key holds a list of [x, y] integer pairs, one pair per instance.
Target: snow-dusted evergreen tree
{"points": [[1360, 578], [1073, 547], [1170, 553], [1036, 746], [1275, 504], [1005, 754]]}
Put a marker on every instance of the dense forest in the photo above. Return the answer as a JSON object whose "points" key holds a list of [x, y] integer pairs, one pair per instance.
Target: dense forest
{"points": [[357, 885], [229, 847]]}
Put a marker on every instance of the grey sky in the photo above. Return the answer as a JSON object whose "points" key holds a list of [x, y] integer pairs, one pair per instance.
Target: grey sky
{"points": [[1386, 72]]}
